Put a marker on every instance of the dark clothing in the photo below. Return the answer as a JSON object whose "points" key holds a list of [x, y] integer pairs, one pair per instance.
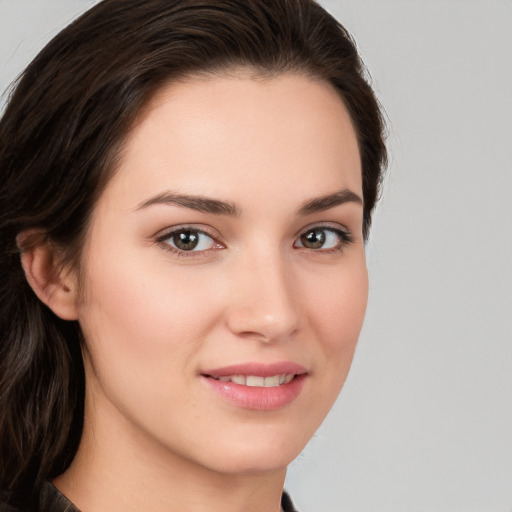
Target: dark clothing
{"points": [[51, 500]]}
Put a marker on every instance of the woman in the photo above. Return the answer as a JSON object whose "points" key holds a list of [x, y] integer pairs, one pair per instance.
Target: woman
{"points": [[189, 184]]}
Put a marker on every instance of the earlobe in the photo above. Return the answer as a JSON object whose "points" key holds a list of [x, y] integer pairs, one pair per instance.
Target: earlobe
{"points": [[51, 283]]}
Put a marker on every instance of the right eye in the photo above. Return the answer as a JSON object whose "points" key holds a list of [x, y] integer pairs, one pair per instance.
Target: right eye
{"points": [[189, 240], [324, 239]]}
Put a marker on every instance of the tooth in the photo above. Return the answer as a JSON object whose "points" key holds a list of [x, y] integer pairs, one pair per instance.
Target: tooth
{"points": [[271, 382], [252, 380], [256, 381], [239, 379]]}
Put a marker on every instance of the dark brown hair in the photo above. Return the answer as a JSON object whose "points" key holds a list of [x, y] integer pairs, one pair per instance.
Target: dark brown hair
{"points": [[59, 138]]}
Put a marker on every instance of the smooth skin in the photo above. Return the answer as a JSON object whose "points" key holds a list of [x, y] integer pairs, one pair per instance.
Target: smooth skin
{"points": [[270, 275]]}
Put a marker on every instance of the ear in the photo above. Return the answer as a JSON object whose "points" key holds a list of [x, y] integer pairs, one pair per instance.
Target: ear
{"points": [[54, 286]]}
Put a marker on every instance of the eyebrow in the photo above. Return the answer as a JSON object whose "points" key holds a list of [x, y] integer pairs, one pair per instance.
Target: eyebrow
{"points": [[323, 203], [208, 205], [198, 203]]}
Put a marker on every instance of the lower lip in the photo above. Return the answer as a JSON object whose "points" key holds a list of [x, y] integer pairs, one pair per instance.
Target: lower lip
{"points": [[256, 397]]}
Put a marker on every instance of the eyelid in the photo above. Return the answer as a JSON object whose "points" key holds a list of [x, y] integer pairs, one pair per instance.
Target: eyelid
{"points": [[163, 235], [333, 226], [343, 232], [200, 228]]}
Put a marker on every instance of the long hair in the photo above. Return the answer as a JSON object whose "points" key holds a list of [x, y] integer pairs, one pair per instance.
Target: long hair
{"points": [[60, 138]]}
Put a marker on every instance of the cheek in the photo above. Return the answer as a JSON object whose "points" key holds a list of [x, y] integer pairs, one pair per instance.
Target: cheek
{"points": [[337, 318], [143, 325], [137, 295], [340, 307], [141, 315]]}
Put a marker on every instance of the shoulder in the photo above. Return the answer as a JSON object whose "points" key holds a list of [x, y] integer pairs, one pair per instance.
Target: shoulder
{"points": [[48, 499], [51, 500], [5, 507], [287, 504], [4, 504]]}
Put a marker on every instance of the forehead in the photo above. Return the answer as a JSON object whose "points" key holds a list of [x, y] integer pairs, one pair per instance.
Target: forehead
{"points": [[229, 135]]}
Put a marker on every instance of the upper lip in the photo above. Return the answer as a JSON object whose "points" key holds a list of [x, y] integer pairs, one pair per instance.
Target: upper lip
{"points": [[257, 369]]}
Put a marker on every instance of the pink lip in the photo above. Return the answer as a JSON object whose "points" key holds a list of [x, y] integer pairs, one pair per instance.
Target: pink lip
{"points": [[261, 370], [257, 398]]}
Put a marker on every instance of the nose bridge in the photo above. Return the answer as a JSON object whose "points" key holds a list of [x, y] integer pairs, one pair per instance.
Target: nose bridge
{"points": [[264, 303]]}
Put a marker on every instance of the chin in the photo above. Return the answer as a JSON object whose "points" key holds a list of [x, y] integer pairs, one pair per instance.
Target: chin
{"points": [[248, 462], [262, 451]]}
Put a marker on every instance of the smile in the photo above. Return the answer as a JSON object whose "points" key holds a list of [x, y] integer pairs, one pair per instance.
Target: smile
{"points": [[257, 381], [256, 386]]}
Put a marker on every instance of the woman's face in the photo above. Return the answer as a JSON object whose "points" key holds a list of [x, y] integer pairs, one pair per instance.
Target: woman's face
{"points": [[225, 277]]}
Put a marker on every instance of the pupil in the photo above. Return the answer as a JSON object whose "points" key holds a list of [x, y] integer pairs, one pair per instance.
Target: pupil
{"points": [[314, 239], [186, 240]]}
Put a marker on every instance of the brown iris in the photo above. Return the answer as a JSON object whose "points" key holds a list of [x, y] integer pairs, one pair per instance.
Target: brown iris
{"points": [[313, 239], [186, 240]]}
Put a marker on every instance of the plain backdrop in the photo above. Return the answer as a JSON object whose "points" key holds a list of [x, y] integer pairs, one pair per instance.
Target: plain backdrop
{"points": [[424, 422]]}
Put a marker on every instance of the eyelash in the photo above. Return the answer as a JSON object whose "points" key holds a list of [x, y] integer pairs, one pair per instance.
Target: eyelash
{"points": [[163, 241], [344, 236]]}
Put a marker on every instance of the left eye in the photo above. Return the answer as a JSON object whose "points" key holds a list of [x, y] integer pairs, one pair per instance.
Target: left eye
{"points": [[189, 240], [322, 238]]}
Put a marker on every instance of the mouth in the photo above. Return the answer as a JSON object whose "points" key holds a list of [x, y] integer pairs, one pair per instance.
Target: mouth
{"points": [[256, 380], [257, 386]]}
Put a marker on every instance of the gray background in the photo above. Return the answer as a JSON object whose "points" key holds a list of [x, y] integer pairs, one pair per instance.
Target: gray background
{"points": [[424, 422]]}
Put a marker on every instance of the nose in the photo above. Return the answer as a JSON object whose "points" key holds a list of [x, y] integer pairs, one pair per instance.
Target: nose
{"points": [[263, 303]]}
